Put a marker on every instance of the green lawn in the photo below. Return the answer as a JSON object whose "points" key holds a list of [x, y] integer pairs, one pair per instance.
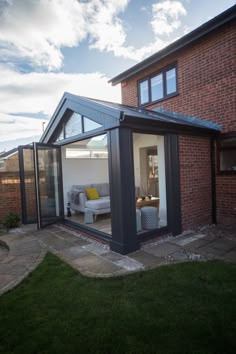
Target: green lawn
{"points": [[184, 308]]}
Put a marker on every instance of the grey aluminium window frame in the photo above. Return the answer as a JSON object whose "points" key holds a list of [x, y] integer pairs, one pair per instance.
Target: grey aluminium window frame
{"points": [[153, 75]]}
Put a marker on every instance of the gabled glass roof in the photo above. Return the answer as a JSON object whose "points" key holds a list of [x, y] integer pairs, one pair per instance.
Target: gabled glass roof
{"points": [[108, 115]]}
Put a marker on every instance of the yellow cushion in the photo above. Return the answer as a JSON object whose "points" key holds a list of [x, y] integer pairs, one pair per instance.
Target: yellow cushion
{"points": [[92, 193]]}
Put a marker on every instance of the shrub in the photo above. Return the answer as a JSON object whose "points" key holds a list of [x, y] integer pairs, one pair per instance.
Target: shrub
{"points": [[11, 220]]}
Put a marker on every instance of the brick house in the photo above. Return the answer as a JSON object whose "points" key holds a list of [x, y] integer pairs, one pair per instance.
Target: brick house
{"points": [[199, 70], [162, 161], [10, 194], [9, 161]]}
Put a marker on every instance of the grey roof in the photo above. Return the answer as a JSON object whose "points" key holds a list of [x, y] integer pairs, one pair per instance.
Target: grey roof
{"points": [[184, 41], [160, 114], [6, 154]]}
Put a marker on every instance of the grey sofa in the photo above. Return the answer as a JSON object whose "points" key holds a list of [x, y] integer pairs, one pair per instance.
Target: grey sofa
{"points": [[79, 202]]}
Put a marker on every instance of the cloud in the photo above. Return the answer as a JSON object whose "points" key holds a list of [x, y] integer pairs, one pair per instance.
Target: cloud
{"points": [[36, 31], [166, 16], [40, 92]]}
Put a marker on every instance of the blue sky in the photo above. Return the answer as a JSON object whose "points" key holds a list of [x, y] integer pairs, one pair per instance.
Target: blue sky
{"points": [[48, 47]]}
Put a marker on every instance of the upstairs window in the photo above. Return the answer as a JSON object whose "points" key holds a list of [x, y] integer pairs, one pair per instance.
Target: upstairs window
{"points": [[158, 87], [227, 153]]}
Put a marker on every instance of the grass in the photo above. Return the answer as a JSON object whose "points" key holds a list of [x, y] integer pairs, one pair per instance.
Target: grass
{"points": [[183, 308]]}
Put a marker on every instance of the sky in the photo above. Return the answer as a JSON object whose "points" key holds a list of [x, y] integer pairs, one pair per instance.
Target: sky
{"points": [[48, 47]]}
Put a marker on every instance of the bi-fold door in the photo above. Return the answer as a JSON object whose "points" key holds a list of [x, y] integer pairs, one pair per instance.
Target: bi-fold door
{"points": [[41, 184]]}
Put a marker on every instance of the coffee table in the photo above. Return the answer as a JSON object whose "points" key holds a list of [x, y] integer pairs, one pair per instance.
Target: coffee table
{"points": [[154, 201]]}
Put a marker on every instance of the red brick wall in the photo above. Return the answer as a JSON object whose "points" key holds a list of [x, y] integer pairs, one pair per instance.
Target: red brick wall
{"points": [[207, 89], [206, 80], [195, 181], [226, 199], [10, 195]]}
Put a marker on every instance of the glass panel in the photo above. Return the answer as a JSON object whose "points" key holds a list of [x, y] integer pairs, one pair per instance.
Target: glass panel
{"points": [[94, 148], [60, 136], [84, 166], [29, 197], [171, 86], [228, 160], [143, 87], [157, 87], [74, 125], [150, 181], [90, 124], [49, 184]]}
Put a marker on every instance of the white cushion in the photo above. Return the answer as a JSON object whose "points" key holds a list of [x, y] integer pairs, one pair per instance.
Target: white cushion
{"points": [[101, 203]]}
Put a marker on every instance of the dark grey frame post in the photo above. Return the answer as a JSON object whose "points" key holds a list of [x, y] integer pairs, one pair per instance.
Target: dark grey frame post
{"points": [[122, 191], [173, 184]]}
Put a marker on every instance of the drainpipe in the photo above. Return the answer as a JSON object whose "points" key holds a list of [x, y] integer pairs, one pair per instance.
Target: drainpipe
{"points": [[213, 181]]}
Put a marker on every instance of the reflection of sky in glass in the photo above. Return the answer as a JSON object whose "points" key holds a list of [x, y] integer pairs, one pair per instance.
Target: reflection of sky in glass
{"points": [[100, 140], [171, 81], [144, 92], [73, 126], [157, 87], [90, 124]]}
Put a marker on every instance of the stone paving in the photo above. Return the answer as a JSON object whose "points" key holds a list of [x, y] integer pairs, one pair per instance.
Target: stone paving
{"points": [[24, 248]]}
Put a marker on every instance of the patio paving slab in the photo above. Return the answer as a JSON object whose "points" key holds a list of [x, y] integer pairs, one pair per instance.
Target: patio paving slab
{"points": [[196, 243], [129, 264], [73, 252], [210, 252], [70, 237], [91, 264], [147, 259], [6, 279], [163, 249], [226, 245], [230, 256], [20, 259], [27, 249], [11, 269], [96, 248], [112, 256]]}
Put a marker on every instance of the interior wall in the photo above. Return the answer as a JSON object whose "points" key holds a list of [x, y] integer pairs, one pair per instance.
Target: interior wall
{"points": [[82, 171], [145, 140]]}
